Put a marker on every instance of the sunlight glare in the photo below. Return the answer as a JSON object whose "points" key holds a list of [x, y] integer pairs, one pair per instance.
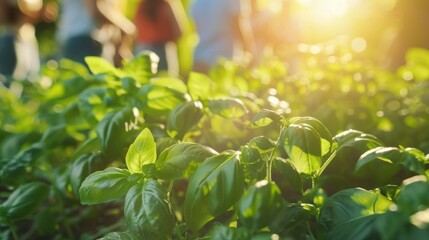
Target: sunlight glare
{"points": [[326, 9], [359, 44]]}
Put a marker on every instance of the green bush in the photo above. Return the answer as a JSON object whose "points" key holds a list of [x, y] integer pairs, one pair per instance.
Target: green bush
{"points": [[129, 154]]}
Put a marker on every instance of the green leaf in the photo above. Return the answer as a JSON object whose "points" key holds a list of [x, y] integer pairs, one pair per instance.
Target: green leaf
{"points": [[292, 219], [303, 146], [163, 143], [357, 139], [199, 86], [265, 146], [413, 197], [141, 152], [350, 205], [111, 132], [264, 118], [411, 158], [68, 88], [181, 160], [88, 146], [99, 65], [24, 200], [54, 136], [94, 103], [117, 236], [254, 167], [220, 231], [158, 100], [289, 173], [105, 186], [254, 156], [215, 187], [184, 117], [147, 211], [13, 172], [323, 132], [83, 167], [170, 83], [228, 107], [141, 67], [361, 228], [259, 205]]}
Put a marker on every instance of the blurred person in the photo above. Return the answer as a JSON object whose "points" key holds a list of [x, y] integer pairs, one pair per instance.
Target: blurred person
{"points": [[87, 27], [19, 56], [8, 15], [224, 31], [414, 18], [158, 31]]}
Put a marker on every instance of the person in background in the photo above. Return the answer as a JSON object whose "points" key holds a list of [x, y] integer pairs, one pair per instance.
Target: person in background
{"points": [[223, 27], [19, 56], [87, 26], [8, 59], [158, 31]]}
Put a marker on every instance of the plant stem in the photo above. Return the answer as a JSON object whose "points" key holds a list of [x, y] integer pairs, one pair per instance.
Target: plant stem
{"points": [[271, 158], [13, 230], [325, 164], [313, 182], [170, 187], [269, 166]]}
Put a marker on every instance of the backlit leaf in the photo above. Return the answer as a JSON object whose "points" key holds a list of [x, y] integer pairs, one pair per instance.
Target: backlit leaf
{"points": [[141, 152], [303, 146], [181, 160]]}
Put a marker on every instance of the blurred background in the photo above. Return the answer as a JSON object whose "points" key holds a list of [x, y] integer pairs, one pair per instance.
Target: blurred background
{"points": [[382, 30]]}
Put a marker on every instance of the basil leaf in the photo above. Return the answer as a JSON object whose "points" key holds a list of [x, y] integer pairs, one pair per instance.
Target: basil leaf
{"points": [[411, 158], [158, 100], [141, 152], [324, 133], [199, 86], [357, 139], [141, 67], [24, 200], [215, 186], [303, 146], [228, 107], [181, 160], [147, 211], [105, 186], [352, 203], [264, 118], [184, 117], [111, 132], [259, 205], [99, 65], [83, 167]]}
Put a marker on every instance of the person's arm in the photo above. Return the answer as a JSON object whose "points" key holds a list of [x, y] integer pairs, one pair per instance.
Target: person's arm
{"points": [[105, 13], [243, 28]]}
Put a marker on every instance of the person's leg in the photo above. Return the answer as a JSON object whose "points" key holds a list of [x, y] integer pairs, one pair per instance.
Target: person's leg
{"points": [[8, 57], [79, 47], [159, 49]]}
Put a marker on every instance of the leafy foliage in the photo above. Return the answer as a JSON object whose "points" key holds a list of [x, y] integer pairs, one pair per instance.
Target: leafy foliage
{"points": [[237, 154]]}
